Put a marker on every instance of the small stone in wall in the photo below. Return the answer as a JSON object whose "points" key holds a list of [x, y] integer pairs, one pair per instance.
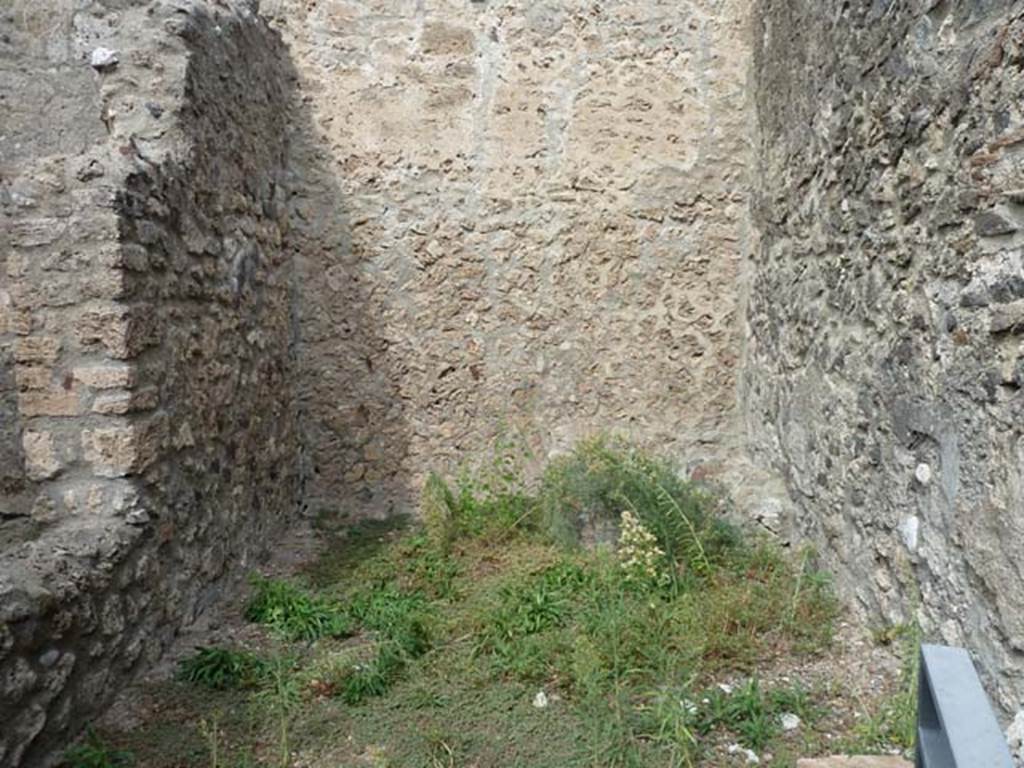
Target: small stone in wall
{"points": [[103, 59], [49, 658], [923, 474], [769, 513], [992, 224], [1007, 318]]}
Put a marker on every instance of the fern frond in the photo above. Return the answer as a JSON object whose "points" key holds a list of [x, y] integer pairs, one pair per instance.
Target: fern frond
{"points": [[671, 512]]}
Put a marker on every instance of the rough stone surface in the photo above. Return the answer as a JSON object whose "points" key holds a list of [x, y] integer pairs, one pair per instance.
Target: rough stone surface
{"points": [[146, 417], [237, 279], [531, 215], [865, 761], [1015, 738], [885, 357]]}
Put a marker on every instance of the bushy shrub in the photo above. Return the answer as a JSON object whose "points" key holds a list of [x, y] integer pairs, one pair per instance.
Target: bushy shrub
{"points": [[603, 477]]}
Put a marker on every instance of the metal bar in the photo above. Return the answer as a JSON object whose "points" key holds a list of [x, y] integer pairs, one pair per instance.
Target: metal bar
{"points": [[956, 727]]}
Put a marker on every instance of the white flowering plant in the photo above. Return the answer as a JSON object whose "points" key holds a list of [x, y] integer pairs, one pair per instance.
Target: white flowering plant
{"points": [[642, 560]]}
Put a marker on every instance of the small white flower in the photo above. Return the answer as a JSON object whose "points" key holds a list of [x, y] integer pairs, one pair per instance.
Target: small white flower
{"points": [[540, 701]]}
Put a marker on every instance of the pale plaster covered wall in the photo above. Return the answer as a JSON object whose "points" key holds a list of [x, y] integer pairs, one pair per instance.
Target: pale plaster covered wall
{"points": [[523, 213]]}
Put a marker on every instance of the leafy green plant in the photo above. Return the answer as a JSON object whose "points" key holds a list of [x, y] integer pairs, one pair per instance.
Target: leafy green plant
{"points": [[400, 622], [491, 499], [294, 613], [94, 753], [375, 677], [522, 632], [536, 603], [751, 713], [398, 616], [427, 569], [221, 668], [670, 715]]}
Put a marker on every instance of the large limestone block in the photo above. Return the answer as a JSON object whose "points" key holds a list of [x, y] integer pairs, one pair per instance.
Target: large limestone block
{"points": [[860, 761]]}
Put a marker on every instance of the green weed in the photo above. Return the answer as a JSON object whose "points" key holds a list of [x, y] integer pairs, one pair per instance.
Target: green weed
{"points": [[399, 621], [222, 668], [438, 513], [374, 677], [397, 616], [279, 700], [294, 613], [94, 753], [751, 713], [491, 500], [520, 631], [426, 568]]}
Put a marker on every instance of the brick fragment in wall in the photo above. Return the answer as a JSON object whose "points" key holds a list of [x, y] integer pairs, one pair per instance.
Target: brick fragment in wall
{"points": [[120, 403], [31, 377], [122, 331], [37, 349], [55, 402], [41, 460], [107, 376], [125, 449]]}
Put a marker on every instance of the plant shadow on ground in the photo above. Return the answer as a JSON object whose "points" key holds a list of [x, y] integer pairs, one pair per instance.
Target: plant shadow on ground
{"points": [[487, 635]]}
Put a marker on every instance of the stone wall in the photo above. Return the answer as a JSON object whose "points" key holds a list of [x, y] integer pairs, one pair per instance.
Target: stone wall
{"points": [[886, 363], [530, 215], [145, 339]]}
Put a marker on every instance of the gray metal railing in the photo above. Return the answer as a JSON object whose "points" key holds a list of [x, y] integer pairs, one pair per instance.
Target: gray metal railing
{"points": [[956, 727]]}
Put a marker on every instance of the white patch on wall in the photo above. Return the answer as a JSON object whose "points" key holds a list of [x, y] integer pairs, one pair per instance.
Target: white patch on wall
{"points": [[909, 530]]}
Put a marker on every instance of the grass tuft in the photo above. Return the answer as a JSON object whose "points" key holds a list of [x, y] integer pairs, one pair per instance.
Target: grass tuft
{"points": [[93, 752], [294, 613], [222, 668]]}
